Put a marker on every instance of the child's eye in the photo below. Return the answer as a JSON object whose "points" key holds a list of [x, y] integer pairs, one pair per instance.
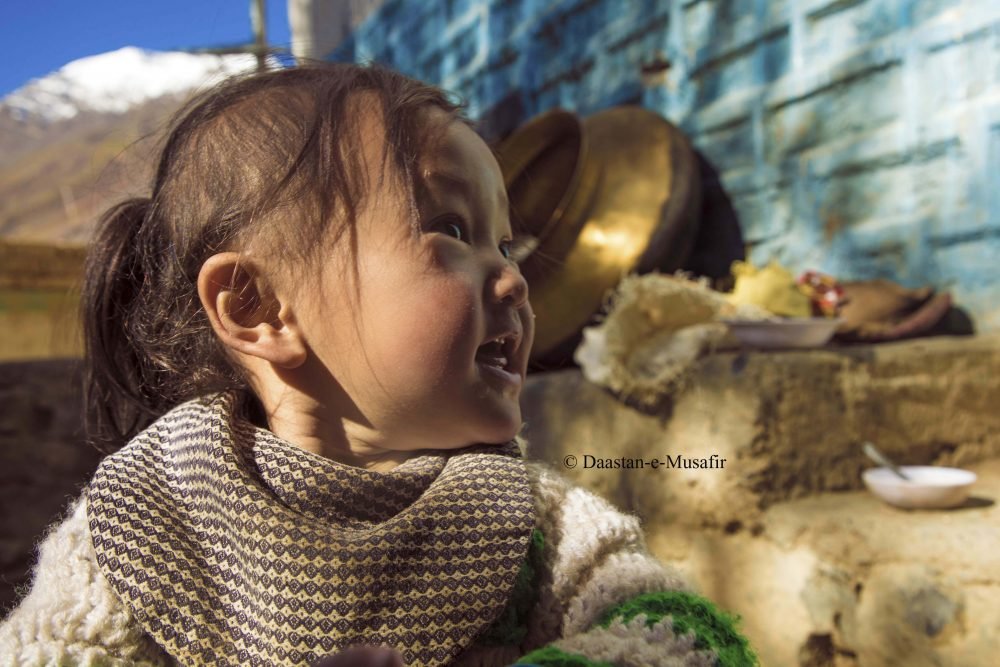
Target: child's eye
{"points": [[450, 226], [453, 229]]}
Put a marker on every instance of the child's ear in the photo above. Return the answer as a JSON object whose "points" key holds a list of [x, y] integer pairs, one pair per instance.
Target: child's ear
{"points": [[246, 314]]}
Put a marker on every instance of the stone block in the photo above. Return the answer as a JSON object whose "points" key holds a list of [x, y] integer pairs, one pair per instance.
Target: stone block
{"points": [[459, 9], [735, 44], [992, 160], [764, 214], [773, 56], [971, 263], [883, 148], [842, 579], [505, 20], [716, 28], [740, 183], [731, 146], [645, 31], [830, 113], [468, 46], [958, 70], [565, 32], [869, 203], [820, 572], [916, 12], [430, 66], [789, 424], [834, 28], [877, 194], [714, 82]]}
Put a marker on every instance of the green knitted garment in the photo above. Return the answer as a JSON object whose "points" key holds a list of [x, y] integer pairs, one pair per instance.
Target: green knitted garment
{"points": [[714, 630], [512, 625]]}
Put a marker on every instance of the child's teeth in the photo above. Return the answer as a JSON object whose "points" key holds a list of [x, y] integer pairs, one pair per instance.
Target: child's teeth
{"points": [[500, 362]]}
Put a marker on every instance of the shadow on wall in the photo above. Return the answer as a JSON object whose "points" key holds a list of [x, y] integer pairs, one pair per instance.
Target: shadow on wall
{"points": [[44, 462], [719, 242]]}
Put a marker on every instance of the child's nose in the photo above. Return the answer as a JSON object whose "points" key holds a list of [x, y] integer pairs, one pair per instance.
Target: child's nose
{"points": [[511, 287]]}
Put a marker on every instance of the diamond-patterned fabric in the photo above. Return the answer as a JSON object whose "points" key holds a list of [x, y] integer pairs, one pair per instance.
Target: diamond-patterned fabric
{"points": [[233, 546]]}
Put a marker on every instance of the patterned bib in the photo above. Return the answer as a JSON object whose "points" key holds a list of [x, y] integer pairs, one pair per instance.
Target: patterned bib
{"points": [[234, 546]]}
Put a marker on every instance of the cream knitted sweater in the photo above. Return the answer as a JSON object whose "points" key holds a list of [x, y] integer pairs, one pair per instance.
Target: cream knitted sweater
{"points": [[594, 558]]}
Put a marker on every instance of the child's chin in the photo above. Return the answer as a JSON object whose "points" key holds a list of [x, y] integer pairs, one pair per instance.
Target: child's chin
{"points": [[497, 436], [502, 435]]}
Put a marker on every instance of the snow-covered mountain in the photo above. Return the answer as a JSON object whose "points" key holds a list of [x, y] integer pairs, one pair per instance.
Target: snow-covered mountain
{"points": [[116, 81], [81, 138]]}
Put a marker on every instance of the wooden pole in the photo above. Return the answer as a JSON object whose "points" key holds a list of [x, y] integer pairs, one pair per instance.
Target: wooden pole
{"points": [[259, 33]]}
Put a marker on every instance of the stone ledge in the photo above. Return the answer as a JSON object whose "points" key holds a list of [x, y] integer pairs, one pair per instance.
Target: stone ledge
{"points": [[843, 579], [821, 579], [789, 424]]}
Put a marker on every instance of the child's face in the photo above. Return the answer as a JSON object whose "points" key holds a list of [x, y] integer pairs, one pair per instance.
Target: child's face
{"points": [[407, 356]]}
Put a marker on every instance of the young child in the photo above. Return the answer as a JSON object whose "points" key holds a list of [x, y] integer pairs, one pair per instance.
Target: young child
{"points": [[305, 351]]}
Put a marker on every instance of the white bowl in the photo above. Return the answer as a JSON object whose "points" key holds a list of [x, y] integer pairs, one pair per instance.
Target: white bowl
{"points": [[930, 487], [790, 332]]}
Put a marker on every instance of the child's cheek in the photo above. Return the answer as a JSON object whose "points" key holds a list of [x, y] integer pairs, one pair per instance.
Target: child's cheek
{"points": [[437, 329], [452, 314]]}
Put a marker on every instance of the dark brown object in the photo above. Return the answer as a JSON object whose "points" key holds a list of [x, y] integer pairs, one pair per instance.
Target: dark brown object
{"points": [[881, 310]]}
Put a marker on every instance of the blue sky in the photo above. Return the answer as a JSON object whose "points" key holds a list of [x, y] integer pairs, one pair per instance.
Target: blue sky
{"points": [[40, 36]]}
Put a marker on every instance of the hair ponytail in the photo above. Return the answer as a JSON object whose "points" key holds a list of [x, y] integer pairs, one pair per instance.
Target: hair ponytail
{"points": [[113, 276], [147, 342]]}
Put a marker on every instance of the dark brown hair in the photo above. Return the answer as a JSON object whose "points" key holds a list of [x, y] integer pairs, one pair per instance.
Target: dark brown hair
{"points": [[269, 159]]}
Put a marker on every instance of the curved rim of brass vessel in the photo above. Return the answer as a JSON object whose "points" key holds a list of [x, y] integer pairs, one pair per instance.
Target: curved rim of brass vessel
{"points": [[527, 146], [607, 219]]}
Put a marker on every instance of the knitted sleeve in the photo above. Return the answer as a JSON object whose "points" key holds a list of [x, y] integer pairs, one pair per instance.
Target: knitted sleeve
{"points": [[71, 616], [604, 600]]}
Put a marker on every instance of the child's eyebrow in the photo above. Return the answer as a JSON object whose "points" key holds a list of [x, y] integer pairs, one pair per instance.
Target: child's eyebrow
{"points": [[463, 184]]}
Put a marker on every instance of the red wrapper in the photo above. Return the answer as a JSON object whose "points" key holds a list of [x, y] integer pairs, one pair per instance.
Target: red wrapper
{"points": [[824, 291]]}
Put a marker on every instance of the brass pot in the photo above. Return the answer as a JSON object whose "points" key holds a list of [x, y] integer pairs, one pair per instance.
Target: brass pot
{"points": [[615, 193]]}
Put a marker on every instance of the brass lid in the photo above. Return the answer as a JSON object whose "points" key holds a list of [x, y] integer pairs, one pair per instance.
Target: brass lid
{"points": [[612, 194]]}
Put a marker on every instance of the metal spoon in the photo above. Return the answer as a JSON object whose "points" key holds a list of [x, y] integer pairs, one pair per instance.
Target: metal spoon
{"points": [[872, 452]]}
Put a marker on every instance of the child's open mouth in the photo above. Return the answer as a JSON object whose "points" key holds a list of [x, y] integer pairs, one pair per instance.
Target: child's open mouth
{"points": [[492, 353], [493, 357]]}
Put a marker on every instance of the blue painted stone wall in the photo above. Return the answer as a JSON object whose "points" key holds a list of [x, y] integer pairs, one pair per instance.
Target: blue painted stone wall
{"points": [[857, 137]]}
